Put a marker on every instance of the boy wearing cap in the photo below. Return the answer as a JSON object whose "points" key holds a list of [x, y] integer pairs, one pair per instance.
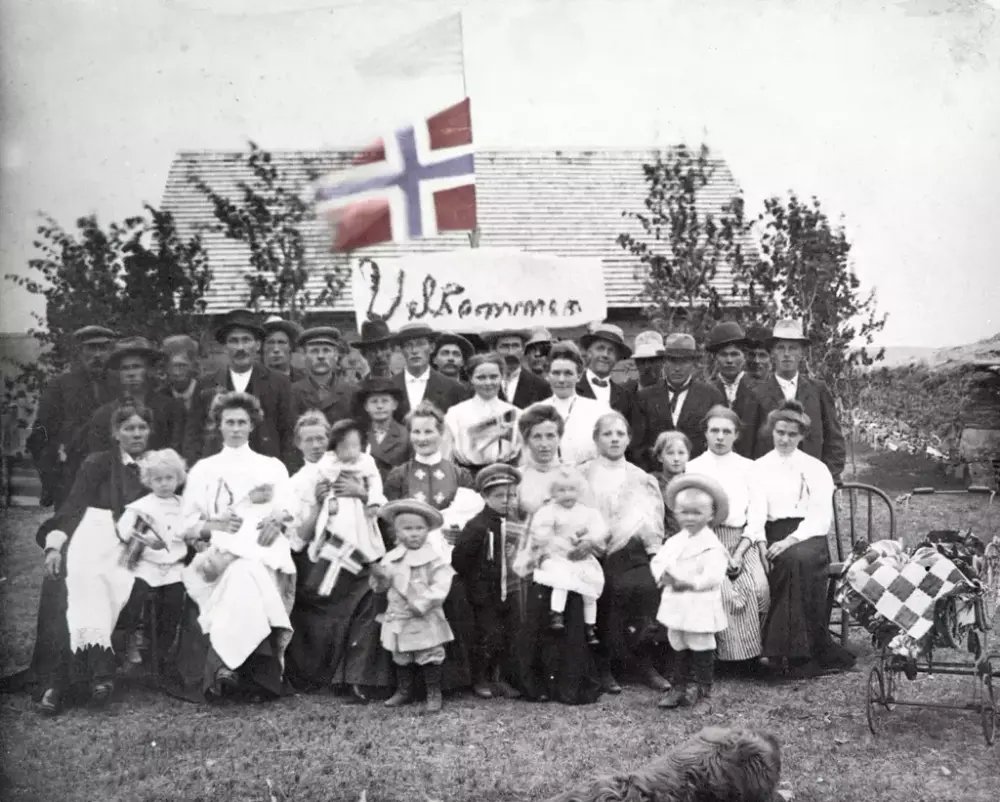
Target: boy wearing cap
{"points": [[64, 407], [417, 579], [481, 560]]}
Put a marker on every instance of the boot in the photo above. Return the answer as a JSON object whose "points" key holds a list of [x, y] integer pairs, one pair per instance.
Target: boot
{"points": [[404, 687], [590, 633], [480, 685], [556, 622], [51, 702], [608, 682], [100, 693], [432, 679], [703, 664], [678, 695], [651, 676]]}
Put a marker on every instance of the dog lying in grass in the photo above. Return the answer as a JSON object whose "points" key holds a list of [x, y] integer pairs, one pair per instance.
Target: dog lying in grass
{"points": [[716, 765]]}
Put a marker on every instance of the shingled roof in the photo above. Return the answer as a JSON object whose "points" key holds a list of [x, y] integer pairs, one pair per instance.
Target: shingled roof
{"points": [[564, 202]]}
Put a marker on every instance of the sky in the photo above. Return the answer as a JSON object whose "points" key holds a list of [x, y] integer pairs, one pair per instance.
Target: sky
{"points": [[889, 113]]}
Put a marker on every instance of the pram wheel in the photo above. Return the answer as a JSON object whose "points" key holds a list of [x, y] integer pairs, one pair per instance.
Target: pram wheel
{"points": [[876, 699], [988, 710]]}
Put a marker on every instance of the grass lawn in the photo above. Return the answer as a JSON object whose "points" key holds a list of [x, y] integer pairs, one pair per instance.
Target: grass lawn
{"points": [[149, 747]]}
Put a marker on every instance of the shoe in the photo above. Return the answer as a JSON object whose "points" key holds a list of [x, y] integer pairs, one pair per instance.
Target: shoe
{"points": [[226, 681], [51, 702], [556, 622], [100, 694], [432, 681], [404, 688], [609, 684], [506, 690], [590, 633], [651, 677], [702, 701], [481, 688], [358, 694], [675, 697]]}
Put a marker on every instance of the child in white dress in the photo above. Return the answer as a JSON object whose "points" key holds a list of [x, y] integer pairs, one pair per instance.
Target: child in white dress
{"points": [[559, 530], [160, 510]]}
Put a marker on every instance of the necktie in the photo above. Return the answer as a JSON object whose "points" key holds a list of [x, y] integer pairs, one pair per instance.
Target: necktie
{"points": [[674, 396], [599, 382]]}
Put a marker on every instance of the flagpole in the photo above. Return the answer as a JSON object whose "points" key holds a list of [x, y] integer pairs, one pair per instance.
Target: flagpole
{"points": [[461, 42]]}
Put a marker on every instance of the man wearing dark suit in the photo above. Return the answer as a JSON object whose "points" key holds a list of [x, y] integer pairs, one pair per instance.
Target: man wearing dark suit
{"points": [[825, 440], [64, 407], [319, 388], [280, 341], [604, 347], [648, 359], [518, 386], [241, 334], [758, 355], [451, 354], [418, 381], [678, 403], [726, 343]]}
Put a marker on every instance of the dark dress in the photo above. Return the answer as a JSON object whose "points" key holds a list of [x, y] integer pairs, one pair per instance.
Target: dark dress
{"points": [[437, 485], [102, 482]]}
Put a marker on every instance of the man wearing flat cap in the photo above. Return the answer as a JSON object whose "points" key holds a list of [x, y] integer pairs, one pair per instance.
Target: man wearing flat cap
{"points": [[280, 339], [726, 343], [519, 387], [603, 348], [64, 407], [241, 334], [451, 352], [320, 387], [679, 403], [418, 380], [824, 440]]}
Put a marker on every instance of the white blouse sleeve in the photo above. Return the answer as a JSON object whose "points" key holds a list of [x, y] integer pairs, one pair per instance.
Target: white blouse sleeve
{"points": [[757, 507], [376, 492], [196, 501], [819, 507]]}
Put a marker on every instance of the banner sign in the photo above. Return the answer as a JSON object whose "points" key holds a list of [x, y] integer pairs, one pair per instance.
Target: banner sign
{"points": [[479, 290]]}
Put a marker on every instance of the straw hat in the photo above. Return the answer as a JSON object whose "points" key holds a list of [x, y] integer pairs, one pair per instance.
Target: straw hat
{"points": [[698, 481]]}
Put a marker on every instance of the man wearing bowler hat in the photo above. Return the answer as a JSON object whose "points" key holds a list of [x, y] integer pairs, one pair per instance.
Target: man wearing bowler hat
{"points": [[648, 358], [726, 343], [604, 347], [451, 352], [64, 407], [519, 387], [758, 353], [242, 335], [319, 387], [418, 380], [280, 340], [825, 440], [678, 402], [375, 345]]}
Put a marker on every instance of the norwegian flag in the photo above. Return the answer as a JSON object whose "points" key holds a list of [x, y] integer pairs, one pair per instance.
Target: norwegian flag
{"points": [[411, 185]]}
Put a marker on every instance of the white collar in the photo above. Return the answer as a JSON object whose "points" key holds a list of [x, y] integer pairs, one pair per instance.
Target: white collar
{"points": [[239, 453], [591, 376], [241, 373], [433, 459], [792, 381], [514, 375], [127, 458], [735, 382], [421, 379]]}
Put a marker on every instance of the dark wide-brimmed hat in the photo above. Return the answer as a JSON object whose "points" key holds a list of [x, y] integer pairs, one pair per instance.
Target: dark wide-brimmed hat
{"points": [[723, 334], [698, 481], [133, 346], [320, 334], [609, 333], [680, 346], [758, 336], [388, 512], [788, 329], [374, 386], [373, 332], [414, 331], [239, 319], [451, 338], [276, 323], [90, 334]]}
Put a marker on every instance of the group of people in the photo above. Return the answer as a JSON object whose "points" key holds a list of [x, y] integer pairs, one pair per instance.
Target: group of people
{"points": [[512, 521]]}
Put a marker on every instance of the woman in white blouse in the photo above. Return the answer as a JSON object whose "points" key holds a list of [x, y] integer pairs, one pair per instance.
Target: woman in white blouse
{"points": [[798, 490], [244, 582], [579, 414], [483, 430], [745, 593]]}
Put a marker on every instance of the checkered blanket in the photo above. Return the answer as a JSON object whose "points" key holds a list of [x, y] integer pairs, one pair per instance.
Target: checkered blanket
{"points": [[905, 592]]}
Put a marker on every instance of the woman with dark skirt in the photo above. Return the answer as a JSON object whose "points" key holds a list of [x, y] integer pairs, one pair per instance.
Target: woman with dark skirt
{"points": [[73, 658], [548, 665], [799, 495], [435, 480], [335, 642]]}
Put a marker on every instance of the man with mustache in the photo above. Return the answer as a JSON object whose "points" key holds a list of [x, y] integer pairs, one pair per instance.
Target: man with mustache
{"points": [[451, 352], [824, 440], [375, 345], [648, 358], [242, 335], [319, 388], [604, 347], [64, 407], [418, 380], [536, 352], [519, 387]]}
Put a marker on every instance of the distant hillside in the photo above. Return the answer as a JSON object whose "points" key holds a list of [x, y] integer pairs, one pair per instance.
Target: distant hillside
{"points": [[987, 350]]}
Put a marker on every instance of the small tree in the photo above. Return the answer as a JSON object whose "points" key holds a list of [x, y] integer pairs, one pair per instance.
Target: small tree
{"points": [[688, 244], [805, 272], [269, 218]]}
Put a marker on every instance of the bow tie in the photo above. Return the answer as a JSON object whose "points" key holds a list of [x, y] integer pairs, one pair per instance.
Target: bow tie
{"points": [[600, 382]]}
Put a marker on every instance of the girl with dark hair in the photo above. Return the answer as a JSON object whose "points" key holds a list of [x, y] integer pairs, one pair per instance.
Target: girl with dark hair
{"points": [[798, 493]]}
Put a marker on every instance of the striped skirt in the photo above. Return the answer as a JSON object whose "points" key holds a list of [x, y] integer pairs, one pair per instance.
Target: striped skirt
{"points": [[746, 600]]}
